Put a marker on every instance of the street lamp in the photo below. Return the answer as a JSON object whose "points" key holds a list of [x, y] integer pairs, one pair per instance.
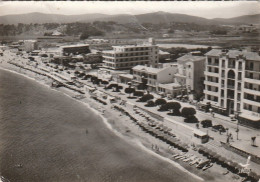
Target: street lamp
{"points": [[237, 117]]}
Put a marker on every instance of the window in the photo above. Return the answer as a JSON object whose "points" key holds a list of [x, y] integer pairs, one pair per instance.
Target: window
{"points": [[209, 60], [250, 107], [251, 65], [223, 63], [222, 103], [239, 76]]}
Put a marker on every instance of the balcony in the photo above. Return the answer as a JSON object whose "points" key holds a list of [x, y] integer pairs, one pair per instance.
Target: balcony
{"points": [[230, 96], [231, 66], [251, 102], [213, 64], [253, 80], [231, 77], [211, 83], [211, 93], [211, 74], [251, 91], [231, 86]]}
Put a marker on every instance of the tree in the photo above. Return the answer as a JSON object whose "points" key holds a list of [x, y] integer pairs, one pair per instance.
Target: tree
{"points": [[146, 97], [163, 107], [150, 103], [175, 107], [160, 102], [84, 35], [188, 112], [129, 90], [138, 93]]}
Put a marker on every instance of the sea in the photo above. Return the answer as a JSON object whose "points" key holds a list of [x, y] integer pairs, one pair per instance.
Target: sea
{"points": [[187, 46], [48, 136]]}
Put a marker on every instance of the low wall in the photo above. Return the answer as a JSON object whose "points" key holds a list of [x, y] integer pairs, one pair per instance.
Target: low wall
{"points": [[240, 152]]}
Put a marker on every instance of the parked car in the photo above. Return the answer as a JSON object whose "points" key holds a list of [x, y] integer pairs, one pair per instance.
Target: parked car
{"points": [[219, 128], [206, 123]]}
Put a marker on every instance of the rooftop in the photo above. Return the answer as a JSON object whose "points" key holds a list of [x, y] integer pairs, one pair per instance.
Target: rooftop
{"points": [[189, 57], [147, 69], [214, 52], [163, 53], [131, 46], [254, 56], [169, 85], [126, 76], [77, 45]]}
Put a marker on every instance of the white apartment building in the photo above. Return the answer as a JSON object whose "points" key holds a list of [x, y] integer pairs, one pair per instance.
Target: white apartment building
{"points": [[127, 56], [30, 45], [232, 84], [190, 73], [145, 77]]}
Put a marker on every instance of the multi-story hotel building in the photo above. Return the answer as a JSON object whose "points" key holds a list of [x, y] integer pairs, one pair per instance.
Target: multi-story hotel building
{"points": [[128, 56], [191, 73], [232, 84], [30, 45], [74, 49], [145, 77]]}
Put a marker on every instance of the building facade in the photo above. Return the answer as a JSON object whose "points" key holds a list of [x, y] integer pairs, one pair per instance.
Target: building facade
{"points": [[145, 77], [128, 56], [191, 73], [30, 45], [74, 49], [232, 84]]}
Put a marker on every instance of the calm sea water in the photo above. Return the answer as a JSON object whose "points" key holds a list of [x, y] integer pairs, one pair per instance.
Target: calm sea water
{"points": [[187, 46], [45, 132]]}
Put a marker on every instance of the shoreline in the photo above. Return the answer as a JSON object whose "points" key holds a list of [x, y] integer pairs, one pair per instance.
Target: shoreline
{"points": [[132, 141], [119, 128]]}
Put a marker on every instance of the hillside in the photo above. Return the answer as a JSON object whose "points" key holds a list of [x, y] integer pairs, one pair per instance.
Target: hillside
{"points": [[162, 17], [247, 19], [155, 18]]}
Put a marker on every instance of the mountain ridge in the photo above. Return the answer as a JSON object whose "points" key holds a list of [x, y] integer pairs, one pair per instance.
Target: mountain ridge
{"points": [[154, 17]]}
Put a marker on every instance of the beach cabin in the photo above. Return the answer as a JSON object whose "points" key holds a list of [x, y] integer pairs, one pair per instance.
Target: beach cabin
{"points": [[200, 136]]}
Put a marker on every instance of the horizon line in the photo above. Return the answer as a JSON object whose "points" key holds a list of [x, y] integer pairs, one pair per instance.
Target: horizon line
{"points": [[125, 14]]}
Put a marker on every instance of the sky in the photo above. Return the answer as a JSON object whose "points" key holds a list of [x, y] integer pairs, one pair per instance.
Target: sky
{"points": [[206, 9]]}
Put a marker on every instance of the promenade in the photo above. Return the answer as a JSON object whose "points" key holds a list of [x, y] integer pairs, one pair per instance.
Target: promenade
{"points": [[244, 135]]}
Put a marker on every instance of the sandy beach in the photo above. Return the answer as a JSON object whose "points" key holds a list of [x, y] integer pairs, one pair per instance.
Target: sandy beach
{"points": [[125, 129]]}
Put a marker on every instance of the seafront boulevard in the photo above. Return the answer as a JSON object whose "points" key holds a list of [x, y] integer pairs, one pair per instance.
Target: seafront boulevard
{"points": [[243, 143]]}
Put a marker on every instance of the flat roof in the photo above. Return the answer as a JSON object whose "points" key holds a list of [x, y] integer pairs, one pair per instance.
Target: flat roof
{"points": [[76, 45], [248, 116], [254, 56], [127, 76], [131, 46], [148, 69], [198, 132], [189, 57], [169, 85]]}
